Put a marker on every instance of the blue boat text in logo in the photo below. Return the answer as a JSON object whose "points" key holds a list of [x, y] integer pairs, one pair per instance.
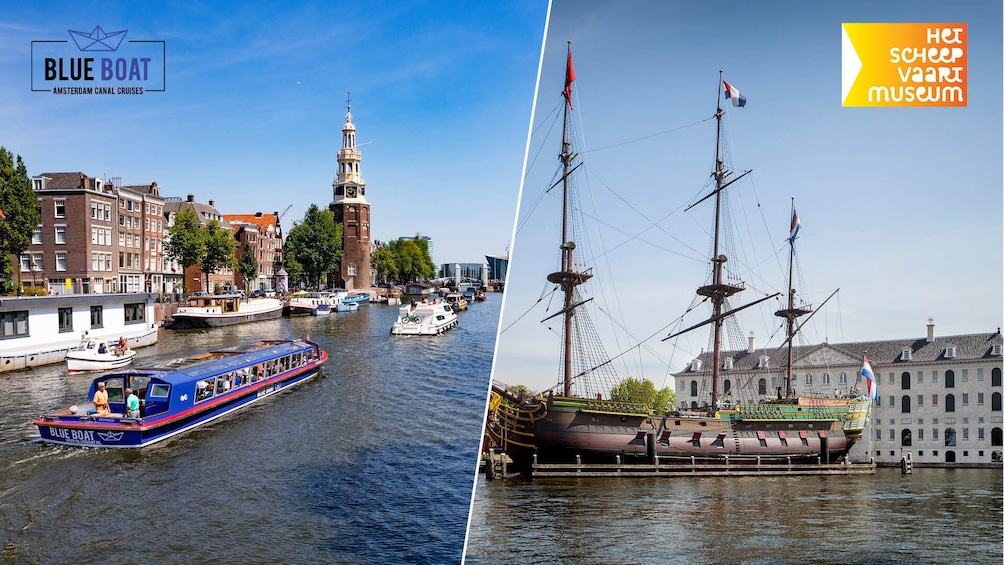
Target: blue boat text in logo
{"points": [[102, 63]]}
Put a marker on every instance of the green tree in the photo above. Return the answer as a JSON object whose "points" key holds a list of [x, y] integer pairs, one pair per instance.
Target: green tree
{"points": [[315, 243], [521, 391], [427, 266], [383, 263], [412, 259], [247, 265], [19, 211], [221, 249], [185, 243], [643, 391], [293, 269]]}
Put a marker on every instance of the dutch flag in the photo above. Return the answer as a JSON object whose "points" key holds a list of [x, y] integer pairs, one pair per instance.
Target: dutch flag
{"points": [[796, 224], [732, 93], [866, 372]]}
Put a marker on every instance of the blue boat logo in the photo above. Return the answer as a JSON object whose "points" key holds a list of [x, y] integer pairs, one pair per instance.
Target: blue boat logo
{"points": [[98, 39], [111, 437]]}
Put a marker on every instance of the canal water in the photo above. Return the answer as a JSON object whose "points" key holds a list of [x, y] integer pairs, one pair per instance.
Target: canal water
{"points": [[932, 516], [373, 462]]}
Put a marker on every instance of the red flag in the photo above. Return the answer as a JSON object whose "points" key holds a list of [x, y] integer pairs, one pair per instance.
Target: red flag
{"points": [[569, 78]]}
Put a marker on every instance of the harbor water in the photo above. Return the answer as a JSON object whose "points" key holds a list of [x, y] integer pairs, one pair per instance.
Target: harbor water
{"points": [[932, 516], [372, 462]]}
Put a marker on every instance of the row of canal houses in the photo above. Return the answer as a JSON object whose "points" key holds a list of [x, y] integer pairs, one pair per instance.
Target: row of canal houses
{"points": [[101, 236], [98, 261]]}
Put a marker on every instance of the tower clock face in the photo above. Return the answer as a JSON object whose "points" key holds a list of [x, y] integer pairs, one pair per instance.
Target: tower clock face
{"points": [[351, 191]]}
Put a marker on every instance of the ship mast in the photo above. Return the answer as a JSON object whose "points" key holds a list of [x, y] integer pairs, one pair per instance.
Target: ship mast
{"points": [[791, 313], [718, 290], [567, 277]]}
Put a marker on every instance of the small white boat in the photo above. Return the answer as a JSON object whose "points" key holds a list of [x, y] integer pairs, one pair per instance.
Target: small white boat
{"points": [[424, 319], [97, 355], [347, 307], [321, 310]]}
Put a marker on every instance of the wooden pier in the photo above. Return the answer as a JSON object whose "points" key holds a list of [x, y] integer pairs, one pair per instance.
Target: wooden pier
{"points": [[495, 464], [696, 468]]}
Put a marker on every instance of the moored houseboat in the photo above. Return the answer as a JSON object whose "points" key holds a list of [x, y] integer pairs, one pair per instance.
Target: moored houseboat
{"points": [[40, 330], [306, 303], [223, 310], [182, 395], [359, 298]]}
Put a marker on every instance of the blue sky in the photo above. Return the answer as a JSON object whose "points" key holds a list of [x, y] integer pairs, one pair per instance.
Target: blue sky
{"points": [[255, 100], [901, 208]]}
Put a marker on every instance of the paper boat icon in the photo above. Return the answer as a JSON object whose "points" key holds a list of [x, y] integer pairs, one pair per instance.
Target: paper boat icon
{"points": [[98, 39], [110, 436]]}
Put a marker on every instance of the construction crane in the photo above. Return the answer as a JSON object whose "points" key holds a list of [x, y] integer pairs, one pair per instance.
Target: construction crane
{"points": [[279, 219]]}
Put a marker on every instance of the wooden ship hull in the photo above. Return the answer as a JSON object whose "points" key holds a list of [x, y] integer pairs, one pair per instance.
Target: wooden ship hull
{"points": [[570, 430]]}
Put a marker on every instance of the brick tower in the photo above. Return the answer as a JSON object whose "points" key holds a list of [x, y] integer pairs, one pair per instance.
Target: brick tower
{"points": [[352, 210]]}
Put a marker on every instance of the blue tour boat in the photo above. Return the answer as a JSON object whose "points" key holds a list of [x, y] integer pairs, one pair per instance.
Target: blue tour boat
{"points": [[184, 394]]}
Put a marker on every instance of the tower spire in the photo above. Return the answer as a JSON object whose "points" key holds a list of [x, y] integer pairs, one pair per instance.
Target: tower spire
{"points": [[349, 157]]}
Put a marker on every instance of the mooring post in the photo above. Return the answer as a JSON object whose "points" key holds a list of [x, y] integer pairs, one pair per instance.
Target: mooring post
{"points": [[906, 464]]}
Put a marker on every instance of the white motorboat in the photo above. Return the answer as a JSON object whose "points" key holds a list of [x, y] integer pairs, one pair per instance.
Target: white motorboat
{"points": [[424, 319], [97, 355], [347, 307], [321, 310]]}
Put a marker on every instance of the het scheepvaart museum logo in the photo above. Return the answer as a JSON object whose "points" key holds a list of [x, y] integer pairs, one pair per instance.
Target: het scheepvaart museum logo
{"points": [[98, 63]]}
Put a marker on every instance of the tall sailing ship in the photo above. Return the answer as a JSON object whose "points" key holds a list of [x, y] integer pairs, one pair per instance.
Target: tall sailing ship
{"points": [[566, 426]]}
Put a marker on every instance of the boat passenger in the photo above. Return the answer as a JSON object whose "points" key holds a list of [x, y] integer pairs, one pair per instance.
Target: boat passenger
{"points": [[101, 401], [122, 346], [132, 404], [102, 349]]}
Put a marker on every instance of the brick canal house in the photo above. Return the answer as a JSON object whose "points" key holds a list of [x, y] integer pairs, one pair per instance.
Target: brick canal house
{"points": [[260, 234], [195, 279], [73, 250], [100, 236], [141, 238]]}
